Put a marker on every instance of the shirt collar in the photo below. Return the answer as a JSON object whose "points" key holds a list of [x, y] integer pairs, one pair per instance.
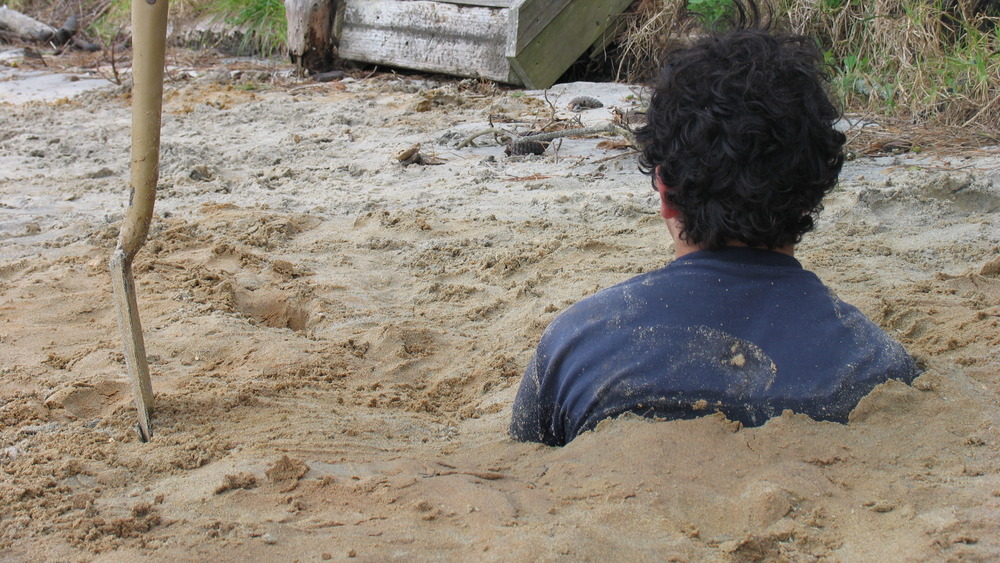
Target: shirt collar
{"points": [[742, 255]]}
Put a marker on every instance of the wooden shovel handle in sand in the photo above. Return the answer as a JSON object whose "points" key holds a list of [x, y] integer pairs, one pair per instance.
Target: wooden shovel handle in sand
{"points": [[149, 29]]}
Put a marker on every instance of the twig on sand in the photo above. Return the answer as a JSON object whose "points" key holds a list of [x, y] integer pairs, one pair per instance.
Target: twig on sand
{"points": [[540, 137], [486, 475], [615, 157]]}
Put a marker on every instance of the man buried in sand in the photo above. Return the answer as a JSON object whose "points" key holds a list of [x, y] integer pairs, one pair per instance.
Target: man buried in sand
{"points": [[741, 147]]}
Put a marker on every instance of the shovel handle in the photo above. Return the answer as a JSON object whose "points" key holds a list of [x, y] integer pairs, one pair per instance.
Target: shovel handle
{"points": [[149, 38]]}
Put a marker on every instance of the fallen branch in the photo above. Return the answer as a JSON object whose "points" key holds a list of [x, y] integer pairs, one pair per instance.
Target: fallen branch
{"points": [[542, 137], [495, 130], [30, 29]]}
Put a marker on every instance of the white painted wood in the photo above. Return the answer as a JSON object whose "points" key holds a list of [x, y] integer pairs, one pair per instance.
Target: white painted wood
{"points": [[487, 3], [430, 36]]}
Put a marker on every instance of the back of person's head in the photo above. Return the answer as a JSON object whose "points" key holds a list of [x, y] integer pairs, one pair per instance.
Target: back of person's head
{"points": [[740, 130]]}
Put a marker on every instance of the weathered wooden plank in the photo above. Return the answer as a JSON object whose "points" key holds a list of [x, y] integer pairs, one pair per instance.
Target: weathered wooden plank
{"points": [[528, 18], [607, 37], [486, 3], [311, 42], [430, 36], [578, 26]]}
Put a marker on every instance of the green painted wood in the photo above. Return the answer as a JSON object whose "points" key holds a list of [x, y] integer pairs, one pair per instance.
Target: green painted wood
{"points": [[528, 18], [607, 37], [540, 62]]}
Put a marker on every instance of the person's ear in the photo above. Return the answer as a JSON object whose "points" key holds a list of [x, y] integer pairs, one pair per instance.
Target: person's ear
{"points": [[667, 211]]}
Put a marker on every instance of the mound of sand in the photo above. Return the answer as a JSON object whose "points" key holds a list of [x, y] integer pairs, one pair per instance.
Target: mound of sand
{"points": [[336, 338]]}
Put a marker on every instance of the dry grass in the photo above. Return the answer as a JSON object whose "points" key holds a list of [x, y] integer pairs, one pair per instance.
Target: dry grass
{"points": [[260, 22], [54, 12], [647, 31], [928, 60], [883, 136], [925, 59]]}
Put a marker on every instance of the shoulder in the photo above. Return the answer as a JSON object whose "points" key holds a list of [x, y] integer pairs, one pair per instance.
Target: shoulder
{"points": [[619, 301]]}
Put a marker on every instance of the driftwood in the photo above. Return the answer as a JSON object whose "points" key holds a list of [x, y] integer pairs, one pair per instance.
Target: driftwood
{"points": [[312, 43], [24, 26], [27, 28]]}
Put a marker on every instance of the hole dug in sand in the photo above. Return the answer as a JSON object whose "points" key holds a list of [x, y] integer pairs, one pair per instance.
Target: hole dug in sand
{"points": [[86, 401], [399, 342], [273, 308]]}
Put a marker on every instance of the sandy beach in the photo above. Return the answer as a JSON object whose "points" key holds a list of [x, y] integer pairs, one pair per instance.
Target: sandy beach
{"points": [[335, 340]]}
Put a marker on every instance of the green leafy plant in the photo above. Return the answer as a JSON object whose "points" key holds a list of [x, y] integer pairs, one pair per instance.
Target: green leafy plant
{"points": [[711, 12]]}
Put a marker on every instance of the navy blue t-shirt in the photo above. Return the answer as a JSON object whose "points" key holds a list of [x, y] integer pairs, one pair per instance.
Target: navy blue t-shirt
{"points": [[746, 332]]}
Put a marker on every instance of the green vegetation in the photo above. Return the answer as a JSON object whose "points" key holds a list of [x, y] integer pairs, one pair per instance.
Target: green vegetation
{"points": [[262, 22], [711, 12], [932, 60], [929, 59], [109, 27]]}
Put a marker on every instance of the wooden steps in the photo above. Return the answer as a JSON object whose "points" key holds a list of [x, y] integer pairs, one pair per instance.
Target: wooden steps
{"points": [[523, 42], [545, 37], [445, 37]]}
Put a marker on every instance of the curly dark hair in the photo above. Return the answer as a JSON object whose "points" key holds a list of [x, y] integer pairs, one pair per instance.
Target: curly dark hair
{"points": [[740, 129]]}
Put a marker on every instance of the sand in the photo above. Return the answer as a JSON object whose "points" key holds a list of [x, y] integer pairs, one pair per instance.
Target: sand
{"points": [[336, 339]]}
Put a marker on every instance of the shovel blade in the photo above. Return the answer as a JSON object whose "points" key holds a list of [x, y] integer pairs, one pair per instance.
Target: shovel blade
{"points": [[123, 285]]}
